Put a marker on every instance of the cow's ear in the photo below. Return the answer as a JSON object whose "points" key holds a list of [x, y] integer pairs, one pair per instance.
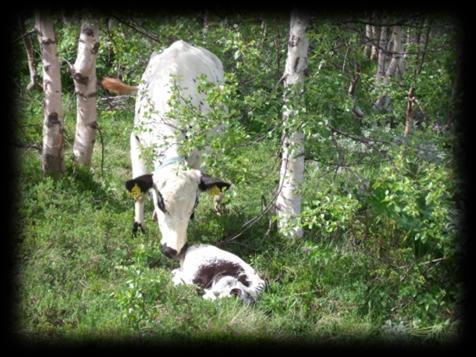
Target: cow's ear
{"points": [[212, 184], [139, 185]]}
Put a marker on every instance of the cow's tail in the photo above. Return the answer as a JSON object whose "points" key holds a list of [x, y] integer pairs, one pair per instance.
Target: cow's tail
{"points": [[116, 86]]}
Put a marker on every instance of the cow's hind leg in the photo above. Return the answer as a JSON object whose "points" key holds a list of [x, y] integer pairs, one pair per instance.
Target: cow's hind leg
{"points": [[138, 169]]}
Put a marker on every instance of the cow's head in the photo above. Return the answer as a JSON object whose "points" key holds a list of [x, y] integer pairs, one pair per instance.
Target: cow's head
{"points": [[175, 195]]}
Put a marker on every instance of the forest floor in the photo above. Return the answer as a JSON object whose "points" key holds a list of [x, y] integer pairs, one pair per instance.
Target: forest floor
{"points": [[81, 274]]}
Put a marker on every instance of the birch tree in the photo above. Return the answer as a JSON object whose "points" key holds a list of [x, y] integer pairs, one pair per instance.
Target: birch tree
{"points": [[288, 203], [351, 92], [388, 65], [368, 40], [52, 156], [84, 76], [409, 112], [374, 50], [382, 102], [394, 66], [382, 44]]}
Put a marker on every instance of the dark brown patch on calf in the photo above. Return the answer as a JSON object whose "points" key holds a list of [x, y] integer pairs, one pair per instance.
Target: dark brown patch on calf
{"points": [[243, 278], [206, 274]]}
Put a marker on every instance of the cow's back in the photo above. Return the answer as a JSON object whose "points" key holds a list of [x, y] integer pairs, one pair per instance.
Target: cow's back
{"points": [[181, 63], [184, 63]]}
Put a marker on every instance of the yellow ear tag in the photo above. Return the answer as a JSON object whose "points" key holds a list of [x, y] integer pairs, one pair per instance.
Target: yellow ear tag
{"points": [[136, 192], [214, 190]]}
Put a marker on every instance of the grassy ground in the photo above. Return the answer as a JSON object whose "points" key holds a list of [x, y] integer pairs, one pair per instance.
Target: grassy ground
{"points": [[82, 274]]}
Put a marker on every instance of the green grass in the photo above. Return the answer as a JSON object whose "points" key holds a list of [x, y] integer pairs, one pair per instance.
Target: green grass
{"points": [[82, 275]]}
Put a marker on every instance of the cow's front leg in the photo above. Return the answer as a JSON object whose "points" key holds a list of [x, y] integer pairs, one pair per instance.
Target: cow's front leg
{"points": [[218, 206], [138, 217], [138, 169]]}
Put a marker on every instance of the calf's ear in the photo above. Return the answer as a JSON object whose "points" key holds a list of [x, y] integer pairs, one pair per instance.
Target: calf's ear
{"points": [[212, 184], [139, 185]]}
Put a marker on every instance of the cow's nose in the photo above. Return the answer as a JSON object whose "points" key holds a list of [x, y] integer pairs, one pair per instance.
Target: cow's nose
{"points": [[168, 252]]}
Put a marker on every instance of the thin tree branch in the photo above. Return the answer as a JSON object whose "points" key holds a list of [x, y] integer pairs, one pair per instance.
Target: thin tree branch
{"points": [[408, 21], [31, 32], [427, 38], [29, 54], [134, 27]]}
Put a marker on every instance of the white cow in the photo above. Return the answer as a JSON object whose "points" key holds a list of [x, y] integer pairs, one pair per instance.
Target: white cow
{"points": [[218, 272], [176, 181]]}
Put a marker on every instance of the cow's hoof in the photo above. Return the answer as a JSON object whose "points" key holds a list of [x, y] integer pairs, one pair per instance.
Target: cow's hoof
{"points": [[135, 228]]}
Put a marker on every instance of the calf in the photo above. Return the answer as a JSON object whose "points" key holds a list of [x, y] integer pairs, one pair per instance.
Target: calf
{"points": [[218, 272], [176, 181]]}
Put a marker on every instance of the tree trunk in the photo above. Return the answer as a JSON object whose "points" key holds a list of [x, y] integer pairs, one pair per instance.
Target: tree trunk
{"points": [[264, 31], [29, 55], [368, 40], [375, 39], [52, 157], [353, 86], [84, 76], [288, 203], [382, 55], [455, 103], [394, 65], [409, 112], [383, 101], [406, 48]]}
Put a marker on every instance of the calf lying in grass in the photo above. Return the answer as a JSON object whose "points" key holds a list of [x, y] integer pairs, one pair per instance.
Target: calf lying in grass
{"points": [[219, 273]]}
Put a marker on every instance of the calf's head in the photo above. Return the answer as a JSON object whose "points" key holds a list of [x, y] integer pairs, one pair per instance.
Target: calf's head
{"points": [[229, 286], [175, 195]]}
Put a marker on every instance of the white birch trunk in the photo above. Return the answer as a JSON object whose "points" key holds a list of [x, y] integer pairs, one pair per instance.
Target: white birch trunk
{"points": [[383, 101], [84, 76], [406, 46], [351, 91], [52, 157], [288, 203], [391, 69], [375, 39], [409, 112], [382, 56], [368, 40], [394, 65]]}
